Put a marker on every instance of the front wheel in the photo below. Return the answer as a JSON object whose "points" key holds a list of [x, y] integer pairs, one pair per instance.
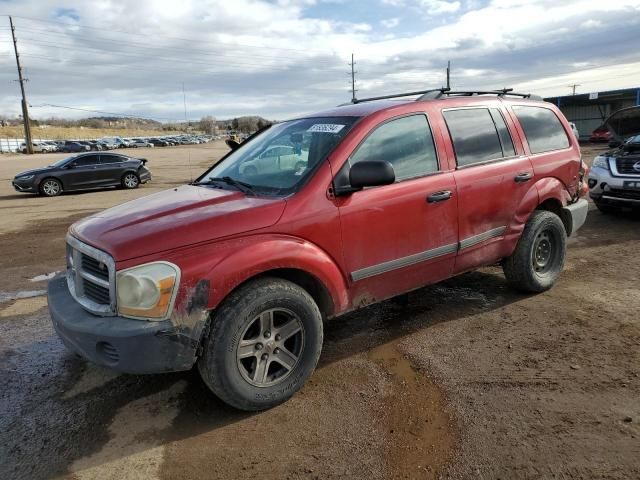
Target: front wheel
{"points": [[538, 259], [265, 342], [51, 187], [130, 180]]}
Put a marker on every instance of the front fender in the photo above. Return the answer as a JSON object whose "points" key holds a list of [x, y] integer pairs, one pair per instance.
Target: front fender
{"points": [[255, 255]]}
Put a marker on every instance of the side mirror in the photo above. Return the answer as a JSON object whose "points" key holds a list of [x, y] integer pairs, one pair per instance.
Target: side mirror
{"points": [[232, 144], [72, 165], [371, 174]]}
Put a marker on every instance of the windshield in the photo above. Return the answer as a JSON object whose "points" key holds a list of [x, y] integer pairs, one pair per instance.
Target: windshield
{"points": [[279, 160], [60, 163]]}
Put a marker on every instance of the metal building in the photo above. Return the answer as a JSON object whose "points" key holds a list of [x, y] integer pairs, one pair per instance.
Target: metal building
{"points": [[589, 110]]}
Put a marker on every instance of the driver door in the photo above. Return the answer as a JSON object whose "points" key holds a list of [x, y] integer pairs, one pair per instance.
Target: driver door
{"points": [[401, 236]]}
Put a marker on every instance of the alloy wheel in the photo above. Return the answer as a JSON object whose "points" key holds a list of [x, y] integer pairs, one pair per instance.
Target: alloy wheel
{"points": [[270, 347]]}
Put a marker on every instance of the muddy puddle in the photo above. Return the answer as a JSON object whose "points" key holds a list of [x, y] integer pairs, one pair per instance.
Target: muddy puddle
{"points": [[420, 431]]}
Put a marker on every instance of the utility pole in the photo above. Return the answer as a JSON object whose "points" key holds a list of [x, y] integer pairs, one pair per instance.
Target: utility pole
{"points": [[573, 87], [353, 80], [25, 109], [448, 74]]}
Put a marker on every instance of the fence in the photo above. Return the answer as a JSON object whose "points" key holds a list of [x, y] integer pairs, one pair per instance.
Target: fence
{"points": [[13, 145]]}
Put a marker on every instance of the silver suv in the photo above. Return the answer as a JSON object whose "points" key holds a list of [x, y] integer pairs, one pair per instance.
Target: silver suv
{"points": [[614, 179]]}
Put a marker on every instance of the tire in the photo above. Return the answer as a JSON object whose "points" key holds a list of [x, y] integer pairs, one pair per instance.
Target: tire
{"points": [[258, 315], [130, 180], [538, 259], [50, 187]]}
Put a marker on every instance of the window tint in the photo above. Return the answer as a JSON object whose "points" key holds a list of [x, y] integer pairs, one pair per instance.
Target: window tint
{"points": [[542, 128], [406, 143], [474, 135], [503, 133], [86, 160]]}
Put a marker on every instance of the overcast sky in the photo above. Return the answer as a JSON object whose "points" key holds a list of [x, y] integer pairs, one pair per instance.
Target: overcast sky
{"points": [[282, 58]]}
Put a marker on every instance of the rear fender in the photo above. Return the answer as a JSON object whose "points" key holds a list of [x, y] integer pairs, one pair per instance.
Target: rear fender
{"points": [[549, 190]]}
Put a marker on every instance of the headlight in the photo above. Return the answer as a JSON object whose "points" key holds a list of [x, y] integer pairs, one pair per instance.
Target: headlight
{"points": [[601, 162], [147, 291], [26, 177]]}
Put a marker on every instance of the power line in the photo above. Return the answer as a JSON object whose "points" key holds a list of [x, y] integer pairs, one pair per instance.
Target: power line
{"points": [[74, 36], [123, 115], [90, 27], [57, 46]]}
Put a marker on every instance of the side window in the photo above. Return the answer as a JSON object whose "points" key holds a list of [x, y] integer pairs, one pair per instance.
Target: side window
{"points": [[110, 159], [503, 133], [406, 143], [542, 128], [86, 160], [474, 135]]}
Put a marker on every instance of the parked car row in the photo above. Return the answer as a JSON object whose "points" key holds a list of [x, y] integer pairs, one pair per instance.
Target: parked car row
{"points": [[112, 143]]}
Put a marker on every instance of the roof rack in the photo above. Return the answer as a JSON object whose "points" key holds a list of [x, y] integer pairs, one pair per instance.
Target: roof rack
{"points": [[399, 95], [436, 94]]}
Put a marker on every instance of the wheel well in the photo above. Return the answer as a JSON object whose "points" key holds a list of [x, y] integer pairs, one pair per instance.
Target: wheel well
{"points": [[554, 206], [305, 280]]}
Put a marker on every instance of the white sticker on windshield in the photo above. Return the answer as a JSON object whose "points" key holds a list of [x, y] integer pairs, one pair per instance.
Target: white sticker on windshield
{"points": [[325, 128]]}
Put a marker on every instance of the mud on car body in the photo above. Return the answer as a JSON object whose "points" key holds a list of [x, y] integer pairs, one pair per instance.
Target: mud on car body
{"points": [[236, 272]]}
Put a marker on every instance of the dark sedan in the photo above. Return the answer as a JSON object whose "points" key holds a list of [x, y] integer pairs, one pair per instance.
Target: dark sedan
{"points": [[84, 172]]}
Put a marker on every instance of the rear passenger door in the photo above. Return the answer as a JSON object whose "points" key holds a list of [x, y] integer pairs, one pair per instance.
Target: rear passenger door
{"points": [[111, 169], [492, 177], [401, 236]]}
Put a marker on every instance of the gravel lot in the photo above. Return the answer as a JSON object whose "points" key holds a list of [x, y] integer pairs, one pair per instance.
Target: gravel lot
{"points": [[467, 380]]}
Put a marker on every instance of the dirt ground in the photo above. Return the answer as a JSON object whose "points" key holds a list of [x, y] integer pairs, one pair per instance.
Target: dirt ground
{"points": [[466, 380]]}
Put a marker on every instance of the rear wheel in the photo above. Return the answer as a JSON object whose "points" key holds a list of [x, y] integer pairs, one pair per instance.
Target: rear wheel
{"points": [[265, 342], [130, 180], [51, 187], [538, 259]]}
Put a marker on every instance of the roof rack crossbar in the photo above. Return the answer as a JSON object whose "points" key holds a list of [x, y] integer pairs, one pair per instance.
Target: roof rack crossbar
{"points": [[399, 95], [501, 93]]}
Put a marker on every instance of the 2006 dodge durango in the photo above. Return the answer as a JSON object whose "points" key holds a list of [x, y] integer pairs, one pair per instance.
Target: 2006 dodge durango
{"points": [[312, 218]]}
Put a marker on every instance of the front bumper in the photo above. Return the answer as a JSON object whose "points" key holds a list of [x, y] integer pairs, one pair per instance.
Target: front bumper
{"points": [[24, 187], [131, 346], [607, 189]]}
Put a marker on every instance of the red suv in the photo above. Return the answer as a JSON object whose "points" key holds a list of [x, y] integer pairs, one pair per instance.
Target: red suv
{"points": [[313, 218]]}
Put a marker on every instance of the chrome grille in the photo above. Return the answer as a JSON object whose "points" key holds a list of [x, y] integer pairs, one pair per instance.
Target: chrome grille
{"points": [[91, 277]]}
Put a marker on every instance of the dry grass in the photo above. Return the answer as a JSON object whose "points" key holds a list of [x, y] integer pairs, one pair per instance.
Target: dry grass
{"points": [[77, 133]]}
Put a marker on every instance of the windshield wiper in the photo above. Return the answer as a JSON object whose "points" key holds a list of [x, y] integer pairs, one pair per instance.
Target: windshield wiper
{"points": [[245, 188]]}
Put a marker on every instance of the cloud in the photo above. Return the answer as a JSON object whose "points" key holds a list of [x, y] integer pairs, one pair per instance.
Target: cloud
{"points": [[284, 58], [390, 22]]}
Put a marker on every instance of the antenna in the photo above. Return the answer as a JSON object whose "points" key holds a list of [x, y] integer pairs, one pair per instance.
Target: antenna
{"points": [[184, 100], [353, 81]]}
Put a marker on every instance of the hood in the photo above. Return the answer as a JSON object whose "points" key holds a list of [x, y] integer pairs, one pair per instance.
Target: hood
{"points": [[175, 218], [34, 171], [624, 123]]}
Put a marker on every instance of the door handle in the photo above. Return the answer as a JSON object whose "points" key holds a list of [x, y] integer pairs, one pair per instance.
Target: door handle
{"points": [[523, 177], [439, 196]]}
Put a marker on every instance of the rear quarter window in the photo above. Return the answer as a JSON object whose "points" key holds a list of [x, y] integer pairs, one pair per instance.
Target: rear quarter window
{"points": [[542, 128]]}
